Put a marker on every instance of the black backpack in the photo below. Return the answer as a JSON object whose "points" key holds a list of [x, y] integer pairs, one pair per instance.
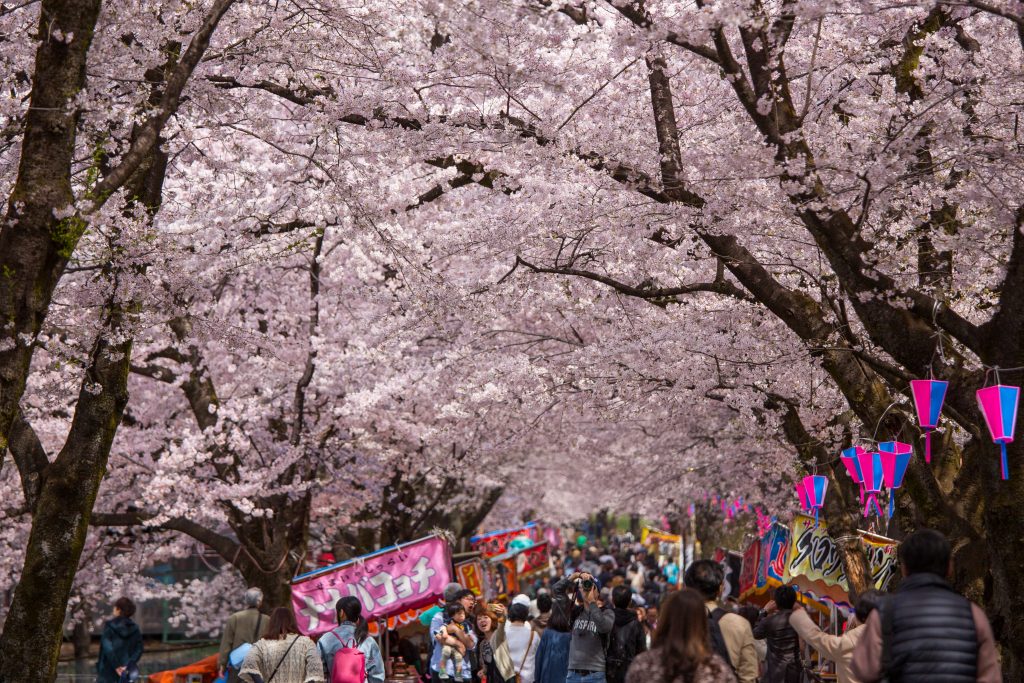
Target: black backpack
{"points": [[621, 650], [717, 639]]}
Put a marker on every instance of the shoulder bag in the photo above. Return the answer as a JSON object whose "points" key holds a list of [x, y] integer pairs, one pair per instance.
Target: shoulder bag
{"points": [[283, 657], [237, 655], [526, 655]]}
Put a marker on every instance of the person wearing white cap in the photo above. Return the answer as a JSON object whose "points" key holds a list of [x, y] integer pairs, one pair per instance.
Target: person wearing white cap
{"points": [[522, 639]]}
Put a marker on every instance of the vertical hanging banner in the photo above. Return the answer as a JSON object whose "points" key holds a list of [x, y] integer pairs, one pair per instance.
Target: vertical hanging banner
{"points": [[388, 582], [497, 542], [763, 565], [774, 549], [748, 572], [471, 575]]}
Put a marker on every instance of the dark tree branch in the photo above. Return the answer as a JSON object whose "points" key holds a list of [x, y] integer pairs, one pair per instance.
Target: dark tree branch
{"points": [[30, 458], [642, 20], [659, 296], [302, 95], [149, 133], [222, 545]]}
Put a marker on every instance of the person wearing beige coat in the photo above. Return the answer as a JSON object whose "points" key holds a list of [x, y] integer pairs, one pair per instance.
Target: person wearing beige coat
{"points": [[838, 649]]}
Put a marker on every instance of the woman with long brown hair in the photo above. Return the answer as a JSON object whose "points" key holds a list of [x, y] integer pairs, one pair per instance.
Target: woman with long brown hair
{"points": [[282, 655], [493, 657], [681, 648]]}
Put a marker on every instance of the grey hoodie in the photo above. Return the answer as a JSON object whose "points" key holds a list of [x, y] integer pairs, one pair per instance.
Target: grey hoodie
{"points": [[590, 623]]}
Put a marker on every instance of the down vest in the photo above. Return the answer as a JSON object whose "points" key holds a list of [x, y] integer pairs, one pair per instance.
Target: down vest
{"points": [[930, 632]]}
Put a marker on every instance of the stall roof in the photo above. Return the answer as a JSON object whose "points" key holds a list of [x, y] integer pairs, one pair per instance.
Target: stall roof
{"points": [[361, 558]]}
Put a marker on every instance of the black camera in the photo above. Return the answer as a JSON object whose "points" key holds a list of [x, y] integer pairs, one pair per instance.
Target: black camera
{"points": [[586, 585]]}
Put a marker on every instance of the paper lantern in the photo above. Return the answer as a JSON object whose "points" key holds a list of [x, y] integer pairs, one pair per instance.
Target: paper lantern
{"points": [[849, 460], [815, 486], [928, 397], [895, 456], [801, 492], [871, 468], [999, 406]]}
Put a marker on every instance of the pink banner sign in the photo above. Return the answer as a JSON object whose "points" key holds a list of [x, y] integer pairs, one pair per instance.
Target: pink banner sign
{"points": [[388, 582]]}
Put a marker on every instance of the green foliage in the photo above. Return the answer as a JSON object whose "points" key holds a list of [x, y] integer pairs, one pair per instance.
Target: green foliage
{"points": [[67, 233]]}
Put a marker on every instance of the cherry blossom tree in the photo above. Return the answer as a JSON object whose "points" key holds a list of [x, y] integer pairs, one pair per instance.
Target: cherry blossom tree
{"points": [[383, 269]]}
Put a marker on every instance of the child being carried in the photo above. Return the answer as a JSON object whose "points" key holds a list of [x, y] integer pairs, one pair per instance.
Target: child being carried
{"points": [[452, 648]]}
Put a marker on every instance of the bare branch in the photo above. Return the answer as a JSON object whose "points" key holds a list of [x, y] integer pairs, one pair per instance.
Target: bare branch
{"points": [[659, 296]]}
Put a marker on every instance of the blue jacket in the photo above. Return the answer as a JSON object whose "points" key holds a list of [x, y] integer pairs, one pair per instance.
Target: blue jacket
{"points": [[343, 635], [552, 663], [120, 645]]}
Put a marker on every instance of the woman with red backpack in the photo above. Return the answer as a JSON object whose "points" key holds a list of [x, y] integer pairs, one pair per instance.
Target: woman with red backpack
{"points": [[348, 652]]}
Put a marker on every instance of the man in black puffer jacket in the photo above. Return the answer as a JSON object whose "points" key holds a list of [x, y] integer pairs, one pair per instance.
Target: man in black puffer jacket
{"points": [[926, 632], [627, 639]]}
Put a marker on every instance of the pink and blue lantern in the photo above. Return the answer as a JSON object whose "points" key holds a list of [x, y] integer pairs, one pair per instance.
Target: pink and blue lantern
{"points": [[801, 492], [929, 395], [999, 406], [852, 465], [895, 457], [815, 487], [874, 478]]}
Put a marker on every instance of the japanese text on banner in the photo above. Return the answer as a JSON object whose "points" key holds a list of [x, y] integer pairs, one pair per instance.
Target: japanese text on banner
{"points": [[385, 583]]}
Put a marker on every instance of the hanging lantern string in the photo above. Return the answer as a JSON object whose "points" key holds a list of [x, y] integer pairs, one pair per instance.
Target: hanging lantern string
{"points": [[940, 337], [995, 369]]}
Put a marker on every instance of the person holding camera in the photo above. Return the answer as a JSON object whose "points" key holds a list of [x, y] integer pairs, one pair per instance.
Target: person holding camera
{"points": [[590, 627]]}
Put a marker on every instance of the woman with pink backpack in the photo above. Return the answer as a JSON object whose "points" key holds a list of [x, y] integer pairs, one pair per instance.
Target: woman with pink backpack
{"points": [[348, 652]]}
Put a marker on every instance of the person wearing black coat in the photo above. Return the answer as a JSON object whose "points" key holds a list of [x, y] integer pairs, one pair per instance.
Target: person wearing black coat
{"points": [[120, 646], [627, 639], [783, 663]]}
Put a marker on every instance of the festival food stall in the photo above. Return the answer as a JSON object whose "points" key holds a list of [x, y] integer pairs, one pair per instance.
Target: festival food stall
{"points": [[498, 542], [499, 550], [510, 570], [805, 556], [395, 586], [665, 547]]}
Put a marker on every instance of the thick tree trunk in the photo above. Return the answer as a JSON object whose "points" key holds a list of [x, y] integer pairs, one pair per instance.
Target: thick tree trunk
{"points": [[34, 243], [998, 574], [274, 549], [33, 631]]}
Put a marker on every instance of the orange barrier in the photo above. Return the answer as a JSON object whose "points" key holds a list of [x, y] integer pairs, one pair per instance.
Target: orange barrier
{"points": [[206, 667]]}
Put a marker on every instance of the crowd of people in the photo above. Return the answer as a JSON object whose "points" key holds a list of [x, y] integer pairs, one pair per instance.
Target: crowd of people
{"points": [[616, 618]]}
